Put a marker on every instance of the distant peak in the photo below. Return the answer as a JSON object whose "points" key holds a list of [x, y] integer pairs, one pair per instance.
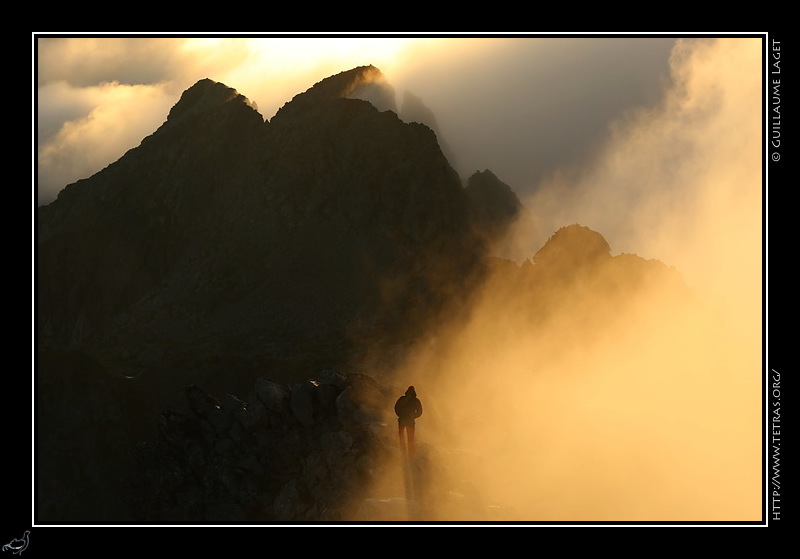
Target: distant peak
{"points": [[482, 181], [347, 83], [204, 95], [490, 194], [363, 82], [573, 245]]}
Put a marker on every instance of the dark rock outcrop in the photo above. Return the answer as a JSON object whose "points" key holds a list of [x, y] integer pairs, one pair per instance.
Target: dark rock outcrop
{"points": [[286, 454], [494, 203], [414, 110]]}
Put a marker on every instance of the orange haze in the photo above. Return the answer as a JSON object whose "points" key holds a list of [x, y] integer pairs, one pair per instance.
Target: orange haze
{"points": [[647, 408]]}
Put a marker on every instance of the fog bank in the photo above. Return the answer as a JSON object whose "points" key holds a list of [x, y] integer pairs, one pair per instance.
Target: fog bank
{"points": [[585, 403]]}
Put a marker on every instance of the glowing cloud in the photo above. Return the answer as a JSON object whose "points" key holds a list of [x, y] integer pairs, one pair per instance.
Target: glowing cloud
{"points": [[105, 119], [681, 181], [636, 406]]}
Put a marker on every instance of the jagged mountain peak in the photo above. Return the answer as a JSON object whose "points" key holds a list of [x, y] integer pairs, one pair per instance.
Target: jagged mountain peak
{"points": [[205, 95], [344, 84], [363, 82], [573, 245], [492, 194], [494, 203], [225, 222]]}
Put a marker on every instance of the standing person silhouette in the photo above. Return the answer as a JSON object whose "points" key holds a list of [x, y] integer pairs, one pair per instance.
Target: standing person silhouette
{"points": [[408, 408]]}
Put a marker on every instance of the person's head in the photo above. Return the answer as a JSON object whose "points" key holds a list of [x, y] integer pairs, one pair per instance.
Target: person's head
{"points": [[410, 391]]}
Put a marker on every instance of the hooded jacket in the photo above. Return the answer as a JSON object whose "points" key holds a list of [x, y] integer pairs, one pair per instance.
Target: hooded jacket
{"points": [[408, 407]]}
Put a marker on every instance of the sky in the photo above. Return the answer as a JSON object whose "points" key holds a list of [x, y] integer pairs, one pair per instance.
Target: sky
{"points": [[654, 142]]}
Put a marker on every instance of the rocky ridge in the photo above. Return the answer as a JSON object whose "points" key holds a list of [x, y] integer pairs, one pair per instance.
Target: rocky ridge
{"points": [[225, 247], [236, 256], [287, 453], [223, 234]]}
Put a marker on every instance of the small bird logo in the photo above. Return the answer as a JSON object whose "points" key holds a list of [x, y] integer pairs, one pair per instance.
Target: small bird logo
{"points": [[17, 546]]}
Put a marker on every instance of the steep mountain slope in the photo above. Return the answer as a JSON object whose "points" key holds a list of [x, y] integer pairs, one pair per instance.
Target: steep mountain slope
{"points": [[222, 234]]}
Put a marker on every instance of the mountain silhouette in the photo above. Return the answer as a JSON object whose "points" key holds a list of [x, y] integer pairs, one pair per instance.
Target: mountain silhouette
{"points": [[226, 247], [223, 234]]}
